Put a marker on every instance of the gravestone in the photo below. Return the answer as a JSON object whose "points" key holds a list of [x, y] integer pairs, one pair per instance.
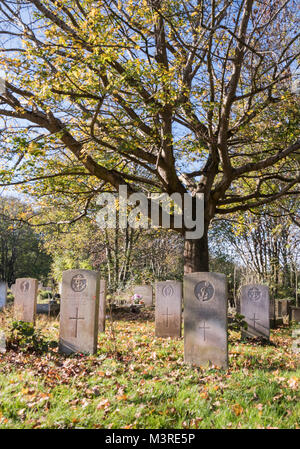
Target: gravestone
{"points": [[79, 309], [102, 305], [205, 319], [294, 313], [168, 308], [3, 294], [255, 306], [2, 343], [282, 307], [25, 293], [272, 313], [296, 342], [146, 292]]}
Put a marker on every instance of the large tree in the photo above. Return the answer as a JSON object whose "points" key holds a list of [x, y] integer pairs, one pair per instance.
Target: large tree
{"points": [[165, 95]]}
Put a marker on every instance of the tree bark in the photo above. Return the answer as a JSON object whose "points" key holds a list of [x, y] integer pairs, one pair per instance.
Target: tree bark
{"points": [[196, 256]]}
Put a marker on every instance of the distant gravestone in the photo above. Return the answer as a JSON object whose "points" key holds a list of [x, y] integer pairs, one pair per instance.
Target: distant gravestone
{"points": [[272, 313], [294, 313], [2, 342], [102, 305], [205, 319], [25, 293], [3, 294], [255, 306], [79, 309], [283, 307], [168, 308], [146, 292]]}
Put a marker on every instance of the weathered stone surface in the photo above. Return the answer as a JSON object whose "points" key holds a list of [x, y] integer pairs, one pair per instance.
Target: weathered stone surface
{"points": [[25, 293], [146, 292], [79, 311], [205, 319], [255, 306], [2, 342], [102, 305], [296, 341], [294, 313], [168, 309], [282, 307], [3, 294]]}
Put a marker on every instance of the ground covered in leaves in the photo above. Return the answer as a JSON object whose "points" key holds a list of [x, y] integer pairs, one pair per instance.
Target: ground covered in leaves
{"points": [[139, 381]]}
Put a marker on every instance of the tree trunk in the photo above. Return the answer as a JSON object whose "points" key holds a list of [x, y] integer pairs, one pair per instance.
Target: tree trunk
{"points": [[196, 257]]}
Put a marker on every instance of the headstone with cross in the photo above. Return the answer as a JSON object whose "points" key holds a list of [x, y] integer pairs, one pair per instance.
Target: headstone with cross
{"points": [[168, 309], [255, 307], [25, 293], [146, 292], [205, 319], [102, 305], [79, 311], [3, 294]]}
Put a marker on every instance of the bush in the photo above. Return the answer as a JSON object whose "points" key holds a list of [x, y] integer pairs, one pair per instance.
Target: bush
{"points": [[24, 337], [237, 323], [43, 294], [10, 298]]}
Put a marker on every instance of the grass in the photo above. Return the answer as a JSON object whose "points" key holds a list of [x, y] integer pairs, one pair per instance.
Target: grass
{"points": [[137, 380]]}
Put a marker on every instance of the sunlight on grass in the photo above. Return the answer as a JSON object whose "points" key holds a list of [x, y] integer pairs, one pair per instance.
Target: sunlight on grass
{"points": [[146, 384]]}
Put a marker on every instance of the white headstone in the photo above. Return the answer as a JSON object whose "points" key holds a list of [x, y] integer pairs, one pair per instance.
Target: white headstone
{"points": [[168, 309], [25, 294], [255, 307], [205, 319], [79, 310]]}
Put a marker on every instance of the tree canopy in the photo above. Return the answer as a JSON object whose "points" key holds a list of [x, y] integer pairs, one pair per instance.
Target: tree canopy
{"points": [[162, 95]]}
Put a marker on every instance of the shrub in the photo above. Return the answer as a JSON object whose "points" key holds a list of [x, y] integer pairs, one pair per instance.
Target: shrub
{"points": [[43, 294], [237, 323], [24, 337]]}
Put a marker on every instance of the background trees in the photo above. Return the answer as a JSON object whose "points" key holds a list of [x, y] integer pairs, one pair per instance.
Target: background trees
{"points": [[21, 248], [169, 96]]}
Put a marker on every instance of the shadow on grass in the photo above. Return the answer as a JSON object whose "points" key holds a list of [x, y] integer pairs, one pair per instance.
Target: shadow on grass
{"points": [[142, 316]]}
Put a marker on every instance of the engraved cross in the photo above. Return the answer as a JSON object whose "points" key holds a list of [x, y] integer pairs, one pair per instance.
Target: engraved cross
{"points": [[167, 317], [76, 322], [204, 329], [254, 320]]}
